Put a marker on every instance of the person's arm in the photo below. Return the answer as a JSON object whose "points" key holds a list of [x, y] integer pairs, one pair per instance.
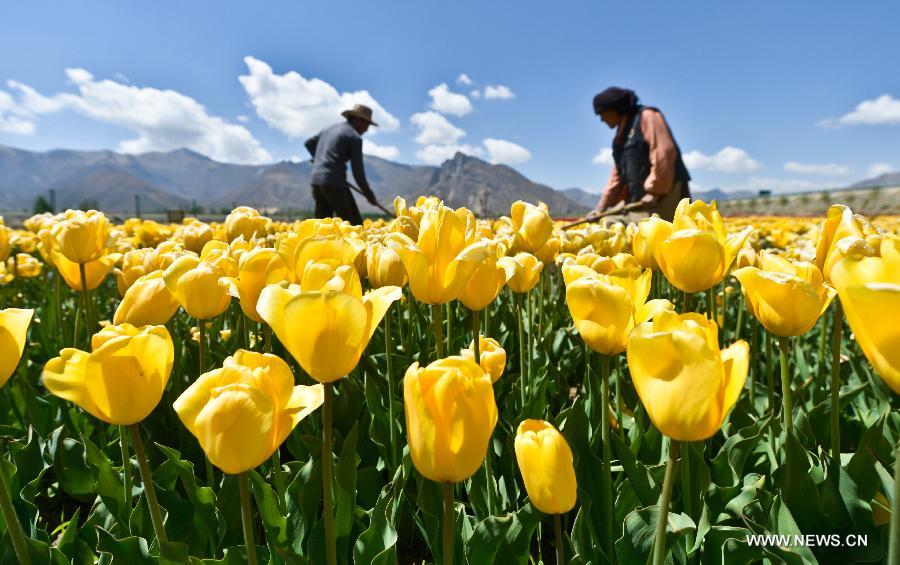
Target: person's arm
{"points": [[311, 145], [359, 170], [614, 192], [663, 153]]}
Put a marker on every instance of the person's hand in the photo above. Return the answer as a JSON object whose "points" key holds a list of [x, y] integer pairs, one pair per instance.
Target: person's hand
{"points": [[649, 199]]}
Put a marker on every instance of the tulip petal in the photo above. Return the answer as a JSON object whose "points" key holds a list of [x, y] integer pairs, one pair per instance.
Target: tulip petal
{"points": [[651, 309], [735, 362], [377, 303], [692, 260], [13, 329], [877, 334], [603, 314], [65, 376]]}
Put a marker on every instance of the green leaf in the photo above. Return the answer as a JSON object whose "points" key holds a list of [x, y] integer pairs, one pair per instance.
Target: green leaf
{"points": [[636, 545], [378, 542], [505, 537], [125, 551], [266, 506]]}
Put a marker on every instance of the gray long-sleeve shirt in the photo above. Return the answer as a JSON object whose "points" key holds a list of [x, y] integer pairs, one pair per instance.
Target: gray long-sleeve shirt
{"points": [[331, 149]]}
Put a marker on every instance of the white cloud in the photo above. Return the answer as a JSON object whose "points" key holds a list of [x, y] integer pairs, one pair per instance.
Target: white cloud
{"points": [[437, 154], [475, 94], [605, 157], [727, 160], [301, 107], [447, 102], [463, 79], [162, 119], [14, 118], [824, 169], [502, 152], [435, 129], [882, 110], [243, 119], [878, 169], [383, 151], [498, 92]]}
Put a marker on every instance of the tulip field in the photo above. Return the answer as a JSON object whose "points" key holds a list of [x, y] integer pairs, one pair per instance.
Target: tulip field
{"points": [[441, 388]]}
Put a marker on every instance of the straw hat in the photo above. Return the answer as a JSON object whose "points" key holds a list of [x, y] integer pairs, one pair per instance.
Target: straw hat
{"points": [[361, 112]]}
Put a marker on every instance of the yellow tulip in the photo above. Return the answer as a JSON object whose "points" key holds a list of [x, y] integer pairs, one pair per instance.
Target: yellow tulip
{"points": [[242, 412], [546, 463], [869, 290], [840, 223], [81, 236], [787, 297], [247, 222], [440, 263], [121, 380], [13, 329], [686, 383], [4, 241], [147, 302], [647, 235], [746, 257], [493, 357], [606, 308], [195, 235], [95, 271], [195, 284], [333, 250], [450, 416], [485, 283], [256, 269], [384, 266], [698, 252], [24, 265], [326, 331], [532, 224], [550, 250], [523, 271]]}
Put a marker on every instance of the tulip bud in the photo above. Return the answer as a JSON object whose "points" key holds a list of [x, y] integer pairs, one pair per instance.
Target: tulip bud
{"points": [[247, 222], [121, 380], [493, 357], [545, 461], [256, 269], [484, 285], [532, 224], [242, 412], [523, 271], [13, 329], [195, 284], [384, 266], [450, 416], [81, 236], [147, 302]]}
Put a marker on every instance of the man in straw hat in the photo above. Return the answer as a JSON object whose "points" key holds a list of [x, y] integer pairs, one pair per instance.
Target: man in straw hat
{"points": [[330, 149]]}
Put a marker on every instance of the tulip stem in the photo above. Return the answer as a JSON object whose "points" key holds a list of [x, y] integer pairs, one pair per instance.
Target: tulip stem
{"points": [[784, 346], [557, 529], [13, 526], [740, 317], [85, 304], [438, 330], [619, 400], [770, 383], [659, 542], [476, 335], [247, 518], [836, 383], [540, 325], [607, 471], [492, 490], [147, 481], [201, 333], [57, 302], [126, 466], [894, 535], [330, 548], [388, 349], [711, 304], [449, 524], [267, 338], [753, 373], [685, 302], [522, 375]]}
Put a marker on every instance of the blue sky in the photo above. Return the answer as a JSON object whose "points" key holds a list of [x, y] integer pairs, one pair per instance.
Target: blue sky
{"points": [[788, 96]]}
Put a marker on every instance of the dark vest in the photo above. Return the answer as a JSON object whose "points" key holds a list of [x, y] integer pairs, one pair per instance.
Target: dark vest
{"points": [[632, 157]]}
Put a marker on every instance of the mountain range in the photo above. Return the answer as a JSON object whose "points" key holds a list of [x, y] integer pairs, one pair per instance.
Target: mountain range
{"points": [[183, 179]]}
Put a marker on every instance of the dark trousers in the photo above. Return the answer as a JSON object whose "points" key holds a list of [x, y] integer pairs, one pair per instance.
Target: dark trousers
{"points": [[336, 201]]}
